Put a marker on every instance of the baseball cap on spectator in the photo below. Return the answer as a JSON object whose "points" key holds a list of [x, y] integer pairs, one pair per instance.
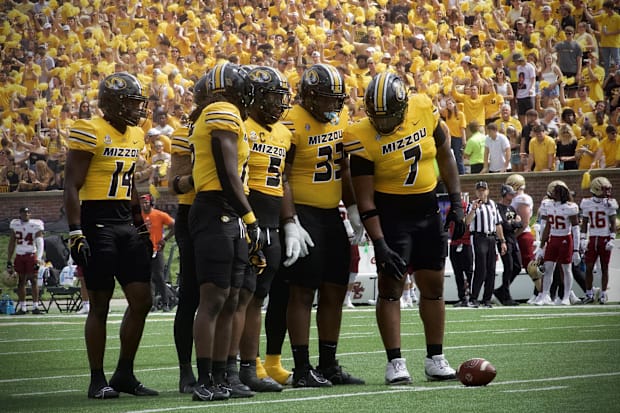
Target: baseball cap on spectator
{"points": [[507, 190], [66, 28], [466, 47], [517, 57], [47, 25], [24, 209], [29, 54], [370, 50], [386, 55], [420, 36], [466, 59], [499, 56], [546, 7], [482, 185], [153, 132]]}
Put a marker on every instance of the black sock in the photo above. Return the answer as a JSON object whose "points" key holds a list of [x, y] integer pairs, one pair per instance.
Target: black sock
{"points": [[219, 372], [327, 353], [204, 365], [393, 353], [97, 377], [231, 366], [301, 356], [125, 366], [433, 350]]}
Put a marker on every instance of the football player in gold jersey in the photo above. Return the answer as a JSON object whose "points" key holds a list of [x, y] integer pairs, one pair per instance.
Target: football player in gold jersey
{"points": [[103, 212], [393, 154], [181, 183], [269, 141], [319, 178], [220, 220]]}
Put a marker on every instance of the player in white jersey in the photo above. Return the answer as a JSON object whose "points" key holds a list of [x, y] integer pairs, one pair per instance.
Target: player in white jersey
{"points": [[26, 241], [560, 233], [524, 205], [599, 223]]}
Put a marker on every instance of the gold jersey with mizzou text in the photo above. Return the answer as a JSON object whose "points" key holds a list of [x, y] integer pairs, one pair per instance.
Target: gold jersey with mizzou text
{"points": [[180, 146], [412, 144], [110, 174], [316, 170], [267, 154], [221, 116]]}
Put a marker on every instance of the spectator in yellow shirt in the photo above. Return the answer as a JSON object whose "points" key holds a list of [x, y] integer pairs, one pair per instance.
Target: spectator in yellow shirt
{"points": [[542, 150], [609, 149], [587, 147]]}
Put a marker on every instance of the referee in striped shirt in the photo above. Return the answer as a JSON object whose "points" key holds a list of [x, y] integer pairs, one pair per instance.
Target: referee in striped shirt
{"points": [[485, 226]]}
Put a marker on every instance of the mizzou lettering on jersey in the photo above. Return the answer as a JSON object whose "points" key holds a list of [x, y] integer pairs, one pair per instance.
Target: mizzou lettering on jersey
{"points": [[412, 145], [221, 116], [404, 142], [121, 152], [268, 149], [318, 156], [325, 138], [110, 174]]}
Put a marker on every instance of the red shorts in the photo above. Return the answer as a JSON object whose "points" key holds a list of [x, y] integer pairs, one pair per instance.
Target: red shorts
{"points": [[559, 249], [526, 247], [355, 259], [25, 264], [596, 248], [79, 272]]}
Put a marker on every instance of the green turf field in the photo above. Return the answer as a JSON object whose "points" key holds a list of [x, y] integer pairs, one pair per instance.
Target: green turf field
{"points": [[551, 359]]}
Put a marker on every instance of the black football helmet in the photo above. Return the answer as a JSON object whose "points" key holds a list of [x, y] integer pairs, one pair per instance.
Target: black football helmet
{"points": [[322, 92], [232, 82], [272, 96], [121, 100], [201, 97], [386, 102]]}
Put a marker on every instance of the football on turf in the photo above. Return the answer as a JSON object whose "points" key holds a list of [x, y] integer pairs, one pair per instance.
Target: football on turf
{"points": [[476, 372]]}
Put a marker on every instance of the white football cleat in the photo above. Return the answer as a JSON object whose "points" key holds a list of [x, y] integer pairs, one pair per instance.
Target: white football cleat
{"points": [[438, 369], [532, 299], [543, 299], [602, 298], [396, 372], [573, 298]]}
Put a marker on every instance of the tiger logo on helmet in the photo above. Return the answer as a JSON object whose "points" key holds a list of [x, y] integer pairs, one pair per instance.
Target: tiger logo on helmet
{"points": [[600, 187], [10, 279]]}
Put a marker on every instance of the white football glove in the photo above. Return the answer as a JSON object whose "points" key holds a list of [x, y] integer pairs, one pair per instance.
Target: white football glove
{"points": [[356, 223], [576, 258], [583, 244], [305, 240], [291, 243], [539, 253], [610, 244]]}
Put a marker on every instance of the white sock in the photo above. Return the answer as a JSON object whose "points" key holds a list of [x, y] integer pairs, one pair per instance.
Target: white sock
{"points": [[23, 306], [589, 293], [548, 277], [406, 295], [86, 305], [568, 280]]}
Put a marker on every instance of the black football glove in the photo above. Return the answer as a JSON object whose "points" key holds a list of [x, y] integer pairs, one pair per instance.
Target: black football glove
{"points": [[457, 216], [517, 224], [388, 261], [258, 262], [9, 267], [253, 235], [80, 251]]}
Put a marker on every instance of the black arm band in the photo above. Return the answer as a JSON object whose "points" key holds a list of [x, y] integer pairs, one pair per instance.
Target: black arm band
{"points": [[368, 214], [455, 198], [74, 227]]}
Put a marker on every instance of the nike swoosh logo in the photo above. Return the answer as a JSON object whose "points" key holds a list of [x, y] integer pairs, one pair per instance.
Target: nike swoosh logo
{"points": [[415, 123]]}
